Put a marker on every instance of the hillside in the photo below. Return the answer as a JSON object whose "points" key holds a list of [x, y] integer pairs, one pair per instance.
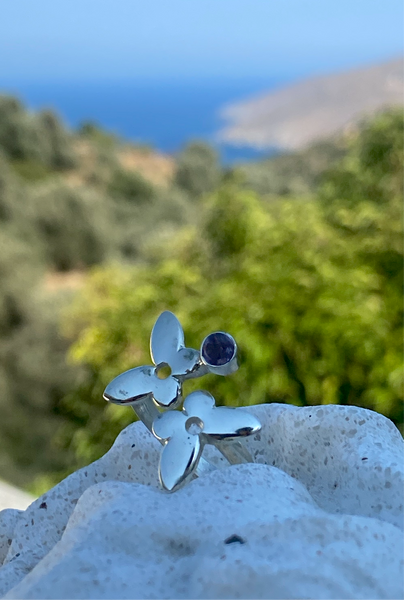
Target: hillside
{"points": [[313, 109], [309, 263], [70, 201], [309, 284]]}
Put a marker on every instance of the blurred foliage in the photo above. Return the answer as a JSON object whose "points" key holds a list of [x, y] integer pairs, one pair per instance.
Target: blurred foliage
{"points": [[90, 130], [198, 169], [100, 137], [72, 225], [131, 187], [31, 169], [34, 137], [293, 174], [274, 277], [372, 170], [65, 205], [309, 282], [309, 287], [34, 375]]}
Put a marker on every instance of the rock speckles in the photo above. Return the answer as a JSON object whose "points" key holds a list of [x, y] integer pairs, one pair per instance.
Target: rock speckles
{"points": [[318, 516]]}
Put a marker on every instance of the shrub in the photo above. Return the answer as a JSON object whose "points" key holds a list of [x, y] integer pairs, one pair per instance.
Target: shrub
{"points": [[75, 226], [39, 138], [131, 186], [198, 169], [302, 284]]}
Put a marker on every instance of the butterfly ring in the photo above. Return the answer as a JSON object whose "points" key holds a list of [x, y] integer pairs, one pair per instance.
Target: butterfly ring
{"points": [[155, 392]]}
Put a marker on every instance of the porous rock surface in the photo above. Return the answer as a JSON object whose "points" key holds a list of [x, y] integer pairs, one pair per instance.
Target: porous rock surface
{"points": [[319, 515]]}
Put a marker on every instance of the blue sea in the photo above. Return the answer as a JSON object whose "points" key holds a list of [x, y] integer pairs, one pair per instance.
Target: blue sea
{"points": [[165, 115]]}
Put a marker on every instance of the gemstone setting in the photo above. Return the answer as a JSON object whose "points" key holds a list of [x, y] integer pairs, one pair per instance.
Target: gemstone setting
{"points": [[218, 349]]}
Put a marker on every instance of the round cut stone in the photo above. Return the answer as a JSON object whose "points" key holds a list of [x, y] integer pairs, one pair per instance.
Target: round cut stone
{"points": [[218, 349]]}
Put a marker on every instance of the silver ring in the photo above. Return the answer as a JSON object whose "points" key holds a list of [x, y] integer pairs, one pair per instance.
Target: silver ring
{"points": [[184, 433]]}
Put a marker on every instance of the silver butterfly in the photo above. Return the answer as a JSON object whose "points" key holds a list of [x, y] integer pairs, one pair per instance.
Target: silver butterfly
{"points": [[167, 348], [185, 433]]}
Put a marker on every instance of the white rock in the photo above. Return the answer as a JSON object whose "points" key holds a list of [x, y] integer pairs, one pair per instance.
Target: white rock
{"points": [[13, 502], [133, 457], [8, 521], [305, 537], [349, 458]]}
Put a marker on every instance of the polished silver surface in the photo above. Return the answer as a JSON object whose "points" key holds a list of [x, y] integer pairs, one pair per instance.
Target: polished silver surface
{"points": [[185, 433], [167, 346], [140, 384]]}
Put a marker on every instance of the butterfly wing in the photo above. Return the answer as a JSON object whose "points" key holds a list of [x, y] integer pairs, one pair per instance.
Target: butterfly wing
{"points": [[167, 346], [137, 384], [179, 459], [167, 337]]}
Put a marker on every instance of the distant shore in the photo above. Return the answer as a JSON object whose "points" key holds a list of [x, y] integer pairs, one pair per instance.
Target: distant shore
{"points": [[299, 114]]}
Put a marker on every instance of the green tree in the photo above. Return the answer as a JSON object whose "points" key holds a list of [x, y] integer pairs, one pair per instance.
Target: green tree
{"points": [[131, 186], [55, 143], [309, 285], [295, 173], [17, 130], [74, 226], [34, 375], [36, 138], [310, 318], [198, 170], [51, 223]]}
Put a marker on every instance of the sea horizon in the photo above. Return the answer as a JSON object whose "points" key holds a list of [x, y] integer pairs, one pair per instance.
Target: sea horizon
{"points": [[163, 114]]}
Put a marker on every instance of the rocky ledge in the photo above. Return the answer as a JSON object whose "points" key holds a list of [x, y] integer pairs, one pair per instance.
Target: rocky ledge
{"points": [[319, 515]]}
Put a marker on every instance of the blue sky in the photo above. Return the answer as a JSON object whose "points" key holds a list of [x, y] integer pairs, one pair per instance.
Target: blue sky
{"points": [[47, 40]]}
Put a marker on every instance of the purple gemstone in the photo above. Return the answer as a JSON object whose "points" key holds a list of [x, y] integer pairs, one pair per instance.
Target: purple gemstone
{"points": [[218, 349]]}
